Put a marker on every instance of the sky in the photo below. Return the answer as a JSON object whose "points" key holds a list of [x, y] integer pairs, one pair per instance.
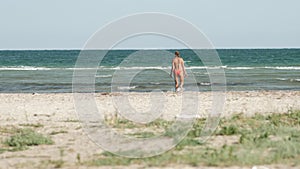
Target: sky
{"points": [[68, 24]]}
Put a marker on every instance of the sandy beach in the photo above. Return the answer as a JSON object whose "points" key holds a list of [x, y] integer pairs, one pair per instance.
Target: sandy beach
{"points": [[56, 113]]}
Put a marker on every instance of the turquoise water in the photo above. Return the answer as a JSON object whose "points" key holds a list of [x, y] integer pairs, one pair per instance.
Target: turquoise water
{"points": [[245, 69]]}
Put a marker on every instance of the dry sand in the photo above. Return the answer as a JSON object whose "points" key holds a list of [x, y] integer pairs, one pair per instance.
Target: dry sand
{"points": [[56, 112]]}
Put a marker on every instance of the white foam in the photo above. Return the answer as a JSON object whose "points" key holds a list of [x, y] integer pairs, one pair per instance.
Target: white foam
{"points": [[21, 68], [295, 80], [284, 67], [157, 67], [205, 84], [103, 76], [149, 68], [25, 68], [241, 68], [283, 79], [126, 87], [77, 68], [134, 68], [206, 67], [155, 83]]}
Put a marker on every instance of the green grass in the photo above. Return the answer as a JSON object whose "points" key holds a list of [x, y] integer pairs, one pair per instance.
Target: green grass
{"points": [[143, 134], [22, 138], [71, 121], [228, 130], [124, 123], [57, 132], [31, 125], [270, 139]]}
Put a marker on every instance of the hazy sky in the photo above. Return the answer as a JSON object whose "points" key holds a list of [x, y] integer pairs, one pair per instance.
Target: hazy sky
{"points": [[37, 24]]}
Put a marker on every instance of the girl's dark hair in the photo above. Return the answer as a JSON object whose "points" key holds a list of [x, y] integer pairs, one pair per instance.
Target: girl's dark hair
{"points": [[177, 54]]}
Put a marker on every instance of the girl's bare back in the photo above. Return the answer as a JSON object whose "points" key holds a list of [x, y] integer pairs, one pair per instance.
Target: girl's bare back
{"points": [[177, 63]]}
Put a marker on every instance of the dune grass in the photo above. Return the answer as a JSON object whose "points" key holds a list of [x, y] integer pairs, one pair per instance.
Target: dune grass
{"points": [[24, 137], [58, 132], [262, 140], [31, 125]]}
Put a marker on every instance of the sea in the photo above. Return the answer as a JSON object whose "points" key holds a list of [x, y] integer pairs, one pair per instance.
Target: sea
{"points": [[51, 71]]}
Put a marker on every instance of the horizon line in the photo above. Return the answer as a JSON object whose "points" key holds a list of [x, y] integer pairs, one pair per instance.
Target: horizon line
{"points": [[20, 49]]}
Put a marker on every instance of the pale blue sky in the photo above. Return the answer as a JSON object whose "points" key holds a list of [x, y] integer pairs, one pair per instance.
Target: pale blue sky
{"points": [[60, 24]]}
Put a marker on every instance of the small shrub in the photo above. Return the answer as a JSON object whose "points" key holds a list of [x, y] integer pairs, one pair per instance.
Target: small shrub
{"points": [[230, 130], [27, 137]]}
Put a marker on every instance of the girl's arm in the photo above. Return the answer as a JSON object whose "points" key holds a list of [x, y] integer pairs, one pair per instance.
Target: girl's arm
{"points": [[183, 67], [172, 69]]}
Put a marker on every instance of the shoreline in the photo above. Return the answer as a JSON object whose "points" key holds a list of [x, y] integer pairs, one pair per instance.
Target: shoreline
{"points": [[245, 102], [165, 92]]}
